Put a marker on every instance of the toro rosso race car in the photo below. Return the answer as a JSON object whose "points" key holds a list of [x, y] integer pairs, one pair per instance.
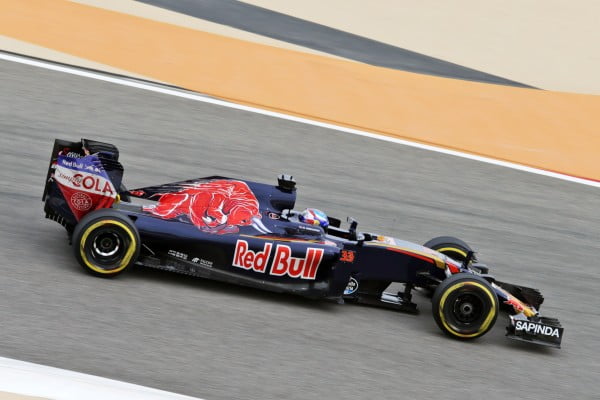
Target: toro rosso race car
{"points": [[248, 233]]}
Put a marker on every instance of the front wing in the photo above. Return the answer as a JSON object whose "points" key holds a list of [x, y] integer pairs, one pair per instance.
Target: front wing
{"points": [[538, 330]]}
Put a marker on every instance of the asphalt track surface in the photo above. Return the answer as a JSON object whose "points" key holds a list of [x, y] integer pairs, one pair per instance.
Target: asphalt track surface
{"points": [[287, 28], [219, 341]]}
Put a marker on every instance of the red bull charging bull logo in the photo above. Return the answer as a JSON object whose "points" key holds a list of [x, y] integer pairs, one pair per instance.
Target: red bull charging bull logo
{"points": [[219, 206]]}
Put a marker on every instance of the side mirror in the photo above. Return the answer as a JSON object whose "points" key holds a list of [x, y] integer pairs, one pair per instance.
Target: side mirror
{"points": [[353, 225], [286, 183]]}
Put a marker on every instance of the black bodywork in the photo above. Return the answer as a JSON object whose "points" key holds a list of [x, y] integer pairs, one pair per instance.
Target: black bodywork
{"points": [[247, 233]]}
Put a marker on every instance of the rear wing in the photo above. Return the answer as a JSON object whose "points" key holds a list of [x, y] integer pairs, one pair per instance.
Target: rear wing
{"points": [[82, 176]]}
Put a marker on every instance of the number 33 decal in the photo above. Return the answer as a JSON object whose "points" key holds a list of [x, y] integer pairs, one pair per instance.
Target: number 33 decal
{"points": [[347, 256]]}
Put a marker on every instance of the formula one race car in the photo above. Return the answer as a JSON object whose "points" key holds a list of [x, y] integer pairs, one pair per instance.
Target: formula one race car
{"points": [[248, 233]]}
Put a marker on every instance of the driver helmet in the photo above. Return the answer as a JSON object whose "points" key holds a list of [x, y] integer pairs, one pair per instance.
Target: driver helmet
{"points": [[314, 217]]}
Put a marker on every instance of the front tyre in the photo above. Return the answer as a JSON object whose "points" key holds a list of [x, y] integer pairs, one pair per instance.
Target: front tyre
{"points": [[450, 246], [465, 306], [455, 249], [106, 242]]}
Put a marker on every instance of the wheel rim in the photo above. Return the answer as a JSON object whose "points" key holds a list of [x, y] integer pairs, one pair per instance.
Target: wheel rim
{"points": [[106, 244], [106, 247], [466, 310]]}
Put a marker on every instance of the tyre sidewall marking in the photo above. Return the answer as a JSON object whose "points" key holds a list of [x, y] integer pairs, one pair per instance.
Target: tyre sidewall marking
{"points": [[126, 257], [454, 249], [486, 322]]}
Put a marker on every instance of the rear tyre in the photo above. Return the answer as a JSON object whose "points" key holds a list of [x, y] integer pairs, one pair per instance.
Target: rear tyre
{"points": [[106, 243], [465, 306]]}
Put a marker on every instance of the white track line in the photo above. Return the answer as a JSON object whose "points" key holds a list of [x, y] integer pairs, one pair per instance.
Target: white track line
{"points": [[198, 97], [28, 379]]}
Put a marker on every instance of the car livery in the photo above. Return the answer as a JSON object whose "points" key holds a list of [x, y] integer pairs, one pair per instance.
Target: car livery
{"points": [[248, 233], [84, 183], [219, 205]]}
